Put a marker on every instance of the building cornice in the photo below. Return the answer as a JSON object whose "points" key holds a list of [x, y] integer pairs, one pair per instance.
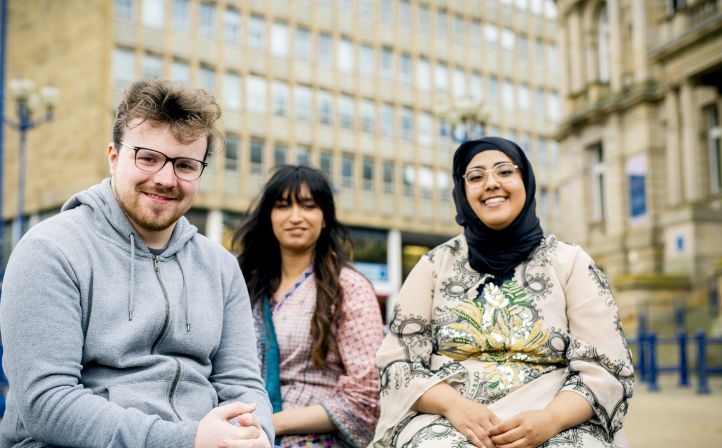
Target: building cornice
{"points": [[691, 37], [648, 92]]}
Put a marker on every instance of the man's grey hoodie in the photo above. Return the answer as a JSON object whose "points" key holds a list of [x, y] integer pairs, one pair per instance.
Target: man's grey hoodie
{"points": [[109, 345]]}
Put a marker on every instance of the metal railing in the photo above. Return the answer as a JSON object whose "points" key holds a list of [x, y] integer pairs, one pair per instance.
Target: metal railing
{"points": [[648, 367]]}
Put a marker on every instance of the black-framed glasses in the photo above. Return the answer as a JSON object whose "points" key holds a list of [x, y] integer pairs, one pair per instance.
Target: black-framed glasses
{"points": [[503, 173], [152, 161]]}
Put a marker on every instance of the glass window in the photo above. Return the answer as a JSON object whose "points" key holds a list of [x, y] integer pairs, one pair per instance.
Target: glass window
{"points": [[459, 29], [423, 74], [345, 5], [508, 95], [524, 98], [405, 13], [491, 32], [424, 21], [603, 52], [476, 86], [180, 72], [153, 13], [554, 108], [425, 128], [540, 103], [475, 32], [493, 90], [207, 20], [279, 154], [325, 50], [123, 66], [152, 66], [441, 19], [346, 112], [520, 4], [408, 178], [387, 120], [442, 181], [550, 10], [232, 91], [303, 44], [388, 177], [459, 83], [325, 107], [407, 123], [125, 10], [303, 155], [347, 170], [523, 48], [387, 63], [256, 94], [279, 92], [441, 77], [182, 16], [207, 79], [256, 32], [507, 41], [279, 39], [405, 68], [345, 56], [537, 7], [256, 156], [366, 9], [541, 152], [326, 164], [368, 60], [539, 53], [231, 154], [367, 116], [426, 182], [303, 103], [368, 172], [386, 11], [232, 26]]}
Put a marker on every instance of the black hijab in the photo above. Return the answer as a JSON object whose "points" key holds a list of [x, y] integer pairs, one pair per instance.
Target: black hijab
{"points": [[496, 252]]}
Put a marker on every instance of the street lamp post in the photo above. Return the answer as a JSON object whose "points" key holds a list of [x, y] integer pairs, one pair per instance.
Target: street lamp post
{"points": [[466, 118], [27, 102]]}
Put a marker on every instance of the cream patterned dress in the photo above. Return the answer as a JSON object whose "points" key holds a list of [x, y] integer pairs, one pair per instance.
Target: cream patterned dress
{"points": [[552, 327]]}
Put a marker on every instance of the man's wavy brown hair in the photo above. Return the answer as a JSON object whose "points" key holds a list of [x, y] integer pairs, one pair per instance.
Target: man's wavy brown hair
{"points": [[189, 113]]}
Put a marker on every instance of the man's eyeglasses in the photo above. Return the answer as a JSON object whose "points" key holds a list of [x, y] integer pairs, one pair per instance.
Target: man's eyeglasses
{"points": [[503, 173], [152, 161]]}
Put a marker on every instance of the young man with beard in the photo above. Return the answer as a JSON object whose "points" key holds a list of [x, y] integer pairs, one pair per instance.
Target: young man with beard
{"points": [[122, 326]]}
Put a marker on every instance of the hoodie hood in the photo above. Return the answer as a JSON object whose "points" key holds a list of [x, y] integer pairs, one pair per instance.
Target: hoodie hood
{"points": [[111, 222]]}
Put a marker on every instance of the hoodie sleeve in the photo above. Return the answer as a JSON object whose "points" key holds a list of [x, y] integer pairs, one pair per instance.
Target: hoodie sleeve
{"points": [[42, 335], [236, 375]]}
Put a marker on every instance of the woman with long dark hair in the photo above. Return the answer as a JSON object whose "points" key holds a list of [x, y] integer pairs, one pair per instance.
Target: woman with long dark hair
{"points": [[503, 337], [318, 322]]}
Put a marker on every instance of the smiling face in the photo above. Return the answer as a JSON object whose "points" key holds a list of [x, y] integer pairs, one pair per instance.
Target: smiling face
{"points": [[297, 224], [153, 202], [496, 204]]}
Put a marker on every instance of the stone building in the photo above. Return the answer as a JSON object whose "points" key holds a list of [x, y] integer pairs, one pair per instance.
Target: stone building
{"points": [[355, 87], [641, 158]]}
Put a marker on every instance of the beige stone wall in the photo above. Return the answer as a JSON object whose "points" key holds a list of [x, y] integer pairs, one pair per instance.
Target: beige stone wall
{"points": [[67, 44]]}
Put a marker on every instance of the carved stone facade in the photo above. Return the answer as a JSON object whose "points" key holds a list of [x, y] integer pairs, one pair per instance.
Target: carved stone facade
{"points": [[641, 157]]}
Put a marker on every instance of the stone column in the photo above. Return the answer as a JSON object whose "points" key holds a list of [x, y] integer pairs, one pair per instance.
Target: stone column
{"points": [[393, 261], [673, 162], [214, 225], [691, 162]]}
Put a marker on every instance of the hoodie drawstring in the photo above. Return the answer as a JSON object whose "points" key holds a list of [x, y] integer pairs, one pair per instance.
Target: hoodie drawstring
{"points": [[131, 303], [185, 296]]}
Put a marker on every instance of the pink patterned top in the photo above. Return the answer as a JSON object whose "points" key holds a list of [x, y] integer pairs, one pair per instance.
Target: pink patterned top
{"points": [[347, 387]]}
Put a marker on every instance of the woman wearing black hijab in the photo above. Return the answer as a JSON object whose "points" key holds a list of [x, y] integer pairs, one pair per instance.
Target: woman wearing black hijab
{"points": [[503, 336]]}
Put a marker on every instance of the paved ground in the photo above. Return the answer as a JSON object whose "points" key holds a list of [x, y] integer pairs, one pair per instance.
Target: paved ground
{"points": [[675, 417]]}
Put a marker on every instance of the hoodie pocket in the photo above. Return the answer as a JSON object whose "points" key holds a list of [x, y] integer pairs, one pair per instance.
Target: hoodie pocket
{"points": [[188, 401]]}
